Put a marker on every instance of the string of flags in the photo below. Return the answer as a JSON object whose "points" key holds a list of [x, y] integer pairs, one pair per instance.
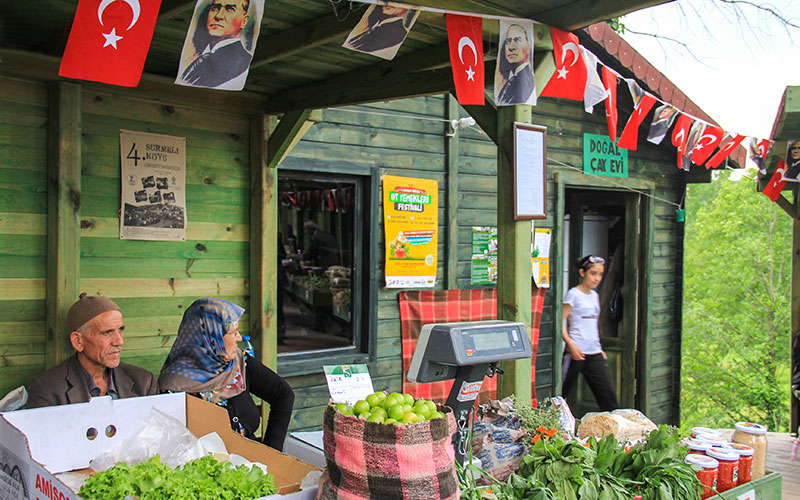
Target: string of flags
{"points": [[109, 41]]}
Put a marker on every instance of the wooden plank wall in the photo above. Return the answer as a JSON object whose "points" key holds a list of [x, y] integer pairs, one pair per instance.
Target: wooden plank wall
{"points": [[23, 230], [154, 282]]}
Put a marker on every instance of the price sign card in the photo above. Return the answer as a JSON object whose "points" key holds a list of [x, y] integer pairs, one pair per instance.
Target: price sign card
{"points": [[348, 383]]}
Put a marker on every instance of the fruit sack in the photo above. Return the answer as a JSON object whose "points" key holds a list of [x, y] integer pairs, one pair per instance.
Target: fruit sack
{"points": [[370, 460]]}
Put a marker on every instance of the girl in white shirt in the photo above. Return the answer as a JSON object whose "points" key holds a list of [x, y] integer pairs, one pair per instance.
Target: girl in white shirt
{"points": [[581, 335]]}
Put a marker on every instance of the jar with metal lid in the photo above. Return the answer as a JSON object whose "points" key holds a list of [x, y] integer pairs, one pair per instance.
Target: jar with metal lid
{"points": [[697, 446], [745, 461], [728, 470], [696, 431], [707, 471], [755, 436], [713, 440]]}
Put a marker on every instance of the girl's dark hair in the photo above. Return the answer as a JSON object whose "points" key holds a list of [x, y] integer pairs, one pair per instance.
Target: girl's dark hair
{"points": [[586, 261]]}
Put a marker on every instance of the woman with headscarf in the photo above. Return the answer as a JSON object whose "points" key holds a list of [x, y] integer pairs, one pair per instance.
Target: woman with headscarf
{"points": [[205, 361]]}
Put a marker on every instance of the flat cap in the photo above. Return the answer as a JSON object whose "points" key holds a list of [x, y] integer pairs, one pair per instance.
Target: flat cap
{"points": [[86, 308]]}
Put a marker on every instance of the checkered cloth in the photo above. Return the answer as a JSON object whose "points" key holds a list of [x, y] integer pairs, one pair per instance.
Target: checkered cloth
{"points": [[368, 460], [420, 307]]}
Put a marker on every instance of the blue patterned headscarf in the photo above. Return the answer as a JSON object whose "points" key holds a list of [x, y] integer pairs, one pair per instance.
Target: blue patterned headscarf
{"points": [[199, 349]]}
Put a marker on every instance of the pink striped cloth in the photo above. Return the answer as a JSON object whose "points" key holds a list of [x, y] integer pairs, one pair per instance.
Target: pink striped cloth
{"points": [[368, 460]]}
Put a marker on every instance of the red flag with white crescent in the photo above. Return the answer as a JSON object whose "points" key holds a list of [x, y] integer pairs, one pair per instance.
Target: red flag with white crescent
{"points": [[724, 152], [707, 143], [610, 83], [629, 138], [776, 182], [464, 34], [680, 134], [109, 41], [569, 80], [758, 152]]}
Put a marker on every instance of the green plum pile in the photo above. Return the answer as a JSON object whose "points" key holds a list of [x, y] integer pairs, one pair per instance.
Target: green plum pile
{"points": [[392, 409]]}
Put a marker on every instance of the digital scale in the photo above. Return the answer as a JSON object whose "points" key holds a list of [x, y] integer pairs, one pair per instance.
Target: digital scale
{"points": [[466, 352]]}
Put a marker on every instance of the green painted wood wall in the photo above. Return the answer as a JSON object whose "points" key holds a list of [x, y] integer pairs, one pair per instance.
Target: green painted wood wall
{"points": [[154, 282], [23, 230]]}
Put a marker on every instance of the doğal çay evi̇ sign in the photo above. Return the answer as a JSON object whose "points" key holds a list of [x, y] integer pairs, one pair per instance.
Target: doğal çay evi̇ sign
{"points": [[603, 157]]}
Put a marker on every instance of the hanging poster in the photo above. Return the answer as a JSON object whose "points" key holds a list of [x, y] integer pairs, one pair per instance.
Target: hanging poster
{"points": [[153, 186], [484, 256], [540, 257], [411, 217], [348, 383]]}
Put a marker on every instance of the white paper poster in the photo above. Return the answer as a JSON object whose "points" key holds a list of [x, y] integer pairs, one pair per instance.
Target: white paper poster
{"points": [[153, 186], [348, 383]]}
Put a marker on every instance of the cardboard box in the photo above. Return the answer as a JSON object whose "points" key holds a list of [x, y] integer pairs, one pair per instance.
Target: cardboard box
{"points": [[38, 443]]}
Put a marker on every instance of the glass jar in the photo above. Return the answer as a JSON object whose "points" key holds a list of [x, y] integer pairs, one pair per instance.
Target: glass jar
{"points": [[697, 446], [755, 436], [745, 461], [707, 471], [696, 431], [728, 470], [713, 440]]}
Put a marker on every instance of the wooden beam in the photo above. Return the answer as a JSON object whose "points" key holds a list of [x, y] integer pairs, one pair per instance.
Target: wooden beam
{"points": [[513, 253], [158, 88], [452, 151], [787, 206], [63, 216], [795, 307], [573, 15], [290, 129], [485, 116], [303, 37], [263, 244]]}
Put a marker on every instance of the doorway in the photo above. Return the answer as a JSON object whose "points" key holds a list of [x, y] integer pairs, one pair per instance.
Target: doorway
{"points": [[608, 223]]}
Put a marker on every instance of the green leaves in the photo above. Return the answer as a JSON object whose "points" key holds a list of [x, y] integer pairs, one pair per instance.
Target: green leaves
{"points": [[200, 479]]}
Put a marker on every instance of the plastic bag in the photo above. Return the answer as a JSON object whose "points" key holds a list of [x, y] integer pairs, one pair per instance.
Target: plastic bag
{"points": [[161, 435], [566, 421], [14, 400]]}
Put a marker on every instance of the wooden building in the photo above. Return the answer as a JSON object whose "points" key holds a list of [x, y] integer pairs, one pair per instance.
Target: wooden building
{"points": [[315, 112]]}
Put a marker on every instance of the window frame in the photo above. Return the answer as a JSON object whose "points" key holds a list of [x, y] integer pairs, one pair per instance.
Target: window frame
{"points": [[365, 244]]}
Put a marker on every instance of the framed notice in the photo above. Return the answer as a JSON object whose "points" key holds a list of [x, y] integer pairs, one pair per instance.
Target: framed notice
{"points": [[530, 171]]}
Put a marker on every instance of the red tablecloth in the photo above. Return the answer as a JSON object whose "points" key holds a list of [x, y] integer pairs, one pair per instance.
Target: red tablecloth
{"points": [[420, 307]]}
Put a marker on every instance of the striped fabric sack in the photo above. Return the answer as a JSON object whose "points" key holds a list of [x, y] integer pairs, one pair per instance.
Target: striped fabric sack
{"points": [[368, 460]]}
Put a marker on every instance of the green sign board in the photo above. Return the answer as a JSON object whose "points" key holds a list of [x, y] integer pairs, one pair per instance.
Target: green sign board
{"points": [[603, 157], [484, 256]]}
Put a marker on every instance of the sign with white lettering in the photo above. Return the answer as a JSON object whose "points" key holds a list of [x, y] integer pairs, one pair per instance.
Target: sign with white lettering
{"points": [[153, 186], [603, 157]]}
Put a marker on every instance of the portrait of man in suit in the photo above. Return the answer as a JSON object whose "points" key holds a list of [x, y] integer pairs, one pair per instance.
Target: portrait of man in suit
{"points": [[514, 83], [382, 30], [220, 45]]}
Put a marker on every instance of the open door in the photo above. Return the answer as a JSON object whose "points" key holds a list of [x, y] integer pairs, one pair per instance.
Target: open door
{"points": [[607, 223]]}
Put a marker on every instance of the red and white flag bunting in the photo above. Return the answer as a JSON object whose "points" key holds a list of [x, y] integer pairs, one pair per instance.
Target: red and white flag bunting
{"points": [[464, 35], [777, 182]]}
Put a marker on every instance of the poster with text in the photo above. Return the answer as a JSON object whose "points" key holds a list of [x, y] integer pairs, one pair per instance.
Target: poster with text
{"points": [[540, 257], [411, 217], [483, 270], [153, 186]]}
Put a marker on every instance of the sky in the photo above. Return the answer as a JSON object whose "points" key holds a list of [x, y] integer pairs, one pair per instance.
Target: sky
{"points": [[740, 68]]}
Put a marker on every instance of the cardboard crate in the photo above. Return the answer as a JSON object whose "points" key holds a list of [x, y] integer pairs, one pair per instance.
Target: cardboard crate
{"points": [[38, 443]]}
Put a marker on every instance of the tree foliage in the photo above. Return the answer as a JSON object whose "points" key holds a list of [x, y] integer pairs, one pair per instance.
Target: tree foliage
{"points": [[737, 297]]}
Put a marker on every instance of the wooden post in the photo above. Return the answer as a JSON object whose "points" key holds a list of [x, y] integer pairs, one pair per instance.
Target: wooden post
{"points": [[63, 216], [452, 196], [263, 244], [513, 253], [795, 322]]}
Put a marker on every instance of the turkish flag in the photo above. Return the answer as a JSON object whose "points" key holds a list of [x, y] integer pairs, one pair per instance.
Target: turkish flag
{"points": [[465, 36], [569, 80], [610, 83], [109, 41], [680, 134], [776, 183], [758, 152], [707, 143], [629, 138], [724, 152]]}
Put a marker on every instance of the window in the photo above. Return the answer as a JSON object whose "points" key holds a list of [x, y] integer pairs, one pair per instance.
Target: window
{"points": [[326, 299]]}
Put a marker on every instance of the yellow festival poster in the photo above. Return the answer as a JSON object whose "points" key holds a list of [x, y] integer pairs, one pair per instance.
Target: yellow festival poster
{"points": [[411, 217]]}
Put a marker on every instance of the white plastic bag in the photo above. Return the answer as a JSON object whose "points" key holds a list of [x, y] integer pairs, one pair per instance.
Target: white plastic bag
{"points": [[161, 435]]}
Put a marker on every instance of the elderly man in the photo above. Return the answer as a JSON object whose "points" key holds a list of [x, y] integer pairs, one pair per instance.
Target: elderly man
{"points": [[515, 68], [222, 59], [95, 325]]}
